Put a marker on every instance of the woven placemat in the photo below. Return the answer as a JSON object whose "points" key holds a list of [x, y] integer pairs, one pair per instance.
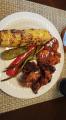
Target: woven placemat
{"points": [[58, 18]]}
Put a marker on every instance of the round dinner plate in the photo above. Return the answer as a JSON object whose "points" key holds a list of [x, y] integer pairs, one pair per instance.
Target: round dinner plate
{"points": [[23, 20]]}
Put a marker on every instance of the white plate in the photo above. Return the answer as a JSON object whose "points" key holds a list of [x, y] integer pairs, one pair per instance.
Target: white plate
{"points": [[23, 20]]}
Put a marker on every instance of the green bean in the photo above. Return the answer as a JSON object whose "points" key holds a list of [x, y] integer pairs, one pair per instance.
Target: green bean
{"points": [[12, 53]]}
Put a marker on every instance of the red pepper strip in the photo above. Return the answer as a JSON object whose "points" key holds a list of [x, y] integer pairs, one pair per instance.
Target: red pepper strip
{"points": [[14, 71], [11, 73], [19, 59]]}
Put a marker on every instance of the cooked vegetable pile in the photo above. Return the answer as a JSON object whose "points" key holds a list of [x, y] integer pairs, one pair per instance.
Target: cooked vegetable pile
{"points": [[39, 73], [35, 56]]}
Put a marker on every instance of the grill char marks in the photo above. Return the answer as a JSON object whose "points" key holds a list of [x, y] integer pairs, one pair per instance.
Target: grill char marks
{"points": [[14, 38]]}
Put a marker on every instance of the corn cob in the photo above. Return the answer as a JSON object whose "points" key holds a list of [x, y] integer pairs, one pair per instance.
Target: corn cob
{"points": [[14, 38]]}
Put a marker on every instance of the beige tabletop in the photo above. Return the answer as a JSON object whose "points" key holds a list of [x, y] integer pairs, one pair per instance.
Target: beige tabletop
{"points": [[58, 18]]}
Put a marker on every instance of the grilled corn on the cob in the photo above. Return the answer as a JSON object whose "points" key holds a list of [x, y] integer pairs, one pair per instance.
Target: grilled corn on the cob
{"points": [[14, 38]]}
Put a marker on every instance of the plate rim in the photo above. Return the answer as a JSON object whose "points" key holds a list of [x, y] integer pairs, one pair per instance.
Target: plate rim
{"points": [[2, 22]]}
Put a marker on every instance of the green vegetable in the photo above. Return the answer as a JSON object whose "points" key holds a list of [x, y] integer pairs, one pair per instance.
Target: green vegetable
{"points": [[12, 53]]}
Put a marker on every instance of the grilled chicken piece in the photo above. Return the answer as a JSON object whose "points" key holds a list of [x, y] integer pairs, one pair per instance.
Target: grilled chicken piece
{"points": [[43, 56], [35, 87], [30, 67], [42, 80], [33, 76], [50, 55], [27, 79], [47, 67], [52, 45], [14, 38], [54, 58], [51, 58]]}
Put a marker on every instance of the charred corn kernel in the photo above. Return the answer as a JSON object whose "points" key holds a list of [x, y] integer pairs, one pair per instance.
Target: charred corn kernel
{"points": [[14, 38]]}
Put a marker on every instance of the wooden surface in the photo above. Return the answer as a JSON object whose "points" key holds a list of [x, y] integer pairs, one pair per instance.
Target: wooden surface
{"points": [[51, 110], [54, 3]]}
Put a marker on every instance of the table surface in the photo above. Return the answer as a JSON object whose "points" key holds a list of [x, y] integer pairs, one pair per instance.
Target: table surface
{"points": [[54, 109], [50, 110], [61, 4]]}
